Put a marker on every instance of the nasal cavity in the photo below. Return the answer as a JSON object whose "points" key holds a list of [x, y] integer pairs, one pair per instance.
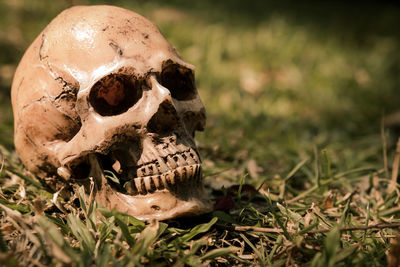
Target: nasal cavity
{"points": [[165, 120], [115, 94]]}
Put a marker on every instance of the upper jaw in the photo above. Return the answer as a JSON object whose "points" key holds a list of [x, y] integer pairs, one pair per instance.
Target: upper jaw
{"points": [[154, 166]]}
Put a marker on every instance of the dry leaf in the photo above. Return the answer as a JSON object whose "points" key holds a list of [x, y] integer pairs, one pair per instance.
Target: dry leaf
{"points": [[246, 191], [328, 202], [39, 206], [225, 203], [393, 256], [253, 168]]}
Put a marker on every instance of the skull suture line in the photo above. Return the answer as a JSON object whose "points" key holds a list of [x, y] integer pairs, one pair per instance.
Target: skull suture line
{"points": [[101, 89]]}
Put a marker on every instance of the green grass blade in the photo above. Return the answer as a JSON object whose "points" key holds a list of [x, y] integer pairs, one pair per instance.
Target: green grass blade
{"points": [[82, 233], [198, 229], [218, 252]]}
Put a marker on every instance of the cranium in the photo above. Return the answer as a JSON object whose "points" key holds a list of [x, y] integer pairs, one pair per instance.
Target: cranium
{"points": [[100, 91]]}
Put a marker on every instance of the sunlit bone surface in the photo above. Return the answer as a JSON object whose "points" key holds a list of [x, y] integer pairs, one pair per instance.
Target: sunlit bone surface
{"points": [[100, 93]]}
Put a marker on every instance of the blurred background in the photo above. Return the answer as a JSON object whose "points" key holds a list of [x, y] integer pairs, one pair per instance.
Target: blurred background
{"points": [[278, 78]]}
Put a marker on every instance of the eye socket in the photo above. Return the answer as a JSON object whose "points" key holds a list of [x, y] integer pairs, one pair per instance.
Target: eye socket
{"points": [[179, 81], [115, 94]]}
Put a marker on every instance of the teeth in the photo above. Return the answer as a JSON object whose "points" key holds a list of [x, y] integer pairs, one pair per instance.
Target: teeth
{"points": [[162, 166], [139, 183], [166, 163], [158, 183], [117, 167], [140, 172], [169, 179], [159, 170], [193, 154], [149, 184], [184, 172], [165, 181], [181, 160], [171, 162], [198, 173], [190, 160], [170, 150], [145, 171]]}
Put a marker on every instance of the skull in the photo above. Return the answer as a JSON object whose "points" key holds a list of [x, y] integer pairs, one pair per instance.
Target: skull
{"points": [[101, 99]]}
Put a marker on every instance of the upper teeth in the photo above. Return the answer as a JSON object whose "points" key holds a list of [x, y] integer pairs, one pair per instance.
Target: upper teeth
{"points": [[165, 163]]}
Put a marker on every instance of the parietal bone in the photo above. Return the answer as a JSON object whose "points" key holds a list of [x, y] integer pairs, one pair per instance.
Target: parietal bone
{"points": [[101, 93]]}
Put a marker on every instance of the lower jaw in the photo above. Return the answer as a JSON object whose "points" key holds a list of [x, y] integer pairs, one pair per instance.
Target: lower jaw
{"points": [[187, 200], [160, 205]]}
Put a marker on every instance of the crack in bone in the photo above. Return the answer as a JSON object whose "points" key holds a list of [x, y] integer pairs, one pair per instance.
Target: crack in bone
{"points": [[116, 48]]}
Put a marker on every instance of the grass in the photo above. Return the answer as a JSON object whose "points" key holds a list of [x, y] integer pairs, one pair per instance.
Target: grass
{"points": [[296, 154]]}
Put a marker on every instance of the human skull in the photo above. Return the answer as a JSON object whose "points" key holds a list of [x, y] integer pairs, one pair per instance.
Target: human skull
{"points": [[100, 95]]}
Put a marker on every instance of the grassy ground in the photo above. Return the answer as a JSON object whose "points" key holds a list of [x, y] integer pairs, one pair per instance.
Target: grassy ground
{"points": [[296, 153]]}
